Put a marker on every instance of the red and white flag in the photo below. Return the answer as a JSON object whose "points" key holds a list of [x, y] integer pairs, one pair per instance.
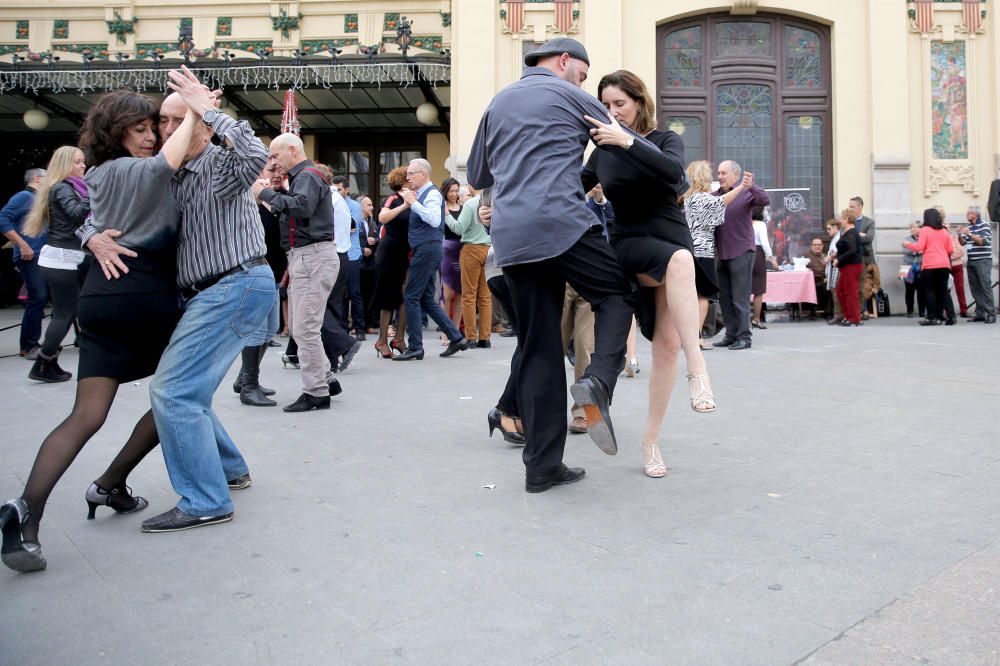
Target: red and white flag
{"points": [[924, 15], [971, 16], [564, 15], [515, 15]]}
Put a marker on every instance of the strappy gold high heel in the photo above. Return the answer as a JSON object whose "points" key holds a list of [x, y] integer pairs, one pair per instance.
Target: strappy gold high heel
{"points": [[653, 465], [702, 398]]}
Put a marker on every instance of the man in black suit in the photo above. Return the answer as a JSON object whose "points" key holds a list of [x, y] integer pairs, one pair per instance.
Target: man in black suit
{"points": [[368, 234], [865, 227]]}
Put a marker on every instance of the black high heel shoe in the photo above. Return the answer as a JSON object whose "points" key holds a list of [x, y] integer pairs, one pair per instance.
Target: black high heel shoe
{"points": [[18, 554], [511, 437], [290, 360], [120, 499]]}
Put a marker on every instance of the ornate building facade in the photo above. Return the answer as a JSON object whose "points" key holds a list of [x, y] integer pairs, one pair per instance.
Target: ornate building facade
{"points": [[892, 100]]}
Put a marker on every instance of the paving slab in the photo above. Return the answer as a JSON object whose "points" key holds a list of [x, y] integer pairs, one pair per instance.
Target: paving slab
{"points": [[843, 506]]}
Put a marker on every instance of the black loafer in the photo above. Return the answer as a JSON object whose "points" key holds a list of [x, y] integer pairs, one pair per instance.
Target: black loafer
{"points": [[484, 344], [590, 393], [240, 482], [539, 484], [176, 520], [348, 356], [410, 355], [454, 347], [739, 344], [724, 342], [307, 403], [335, 388]]}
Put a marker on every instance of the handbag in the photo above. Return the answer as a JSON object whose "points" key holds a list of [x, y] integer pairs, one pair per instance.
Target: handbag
{"points": [[882, 303], [911, 275]]}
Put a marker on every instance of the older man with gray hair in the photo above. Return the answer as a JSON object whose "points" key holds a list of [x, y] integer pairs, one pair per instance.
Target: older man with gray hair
{"points": [[734, 243], [978, 239], [426, 238], [306, 215]]}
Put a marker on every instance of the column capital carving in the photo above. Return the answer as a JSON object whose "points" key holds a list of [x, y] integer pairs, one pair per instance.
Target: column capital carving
{"points": [[744, 7]]}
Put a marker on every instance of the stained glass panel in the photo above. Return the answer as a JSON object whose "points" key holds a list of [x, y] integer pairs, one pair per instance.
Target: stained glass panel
{"points": [[949, 111], [802, 58], [802, 215], [744, 129], [683, 58], [692, 133], [742, 38]]}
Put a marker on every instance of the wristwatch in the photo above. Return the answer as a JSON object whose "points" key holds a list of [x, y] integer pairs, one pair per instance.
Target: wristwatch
{"points": [[209, 116], [629, 140]]}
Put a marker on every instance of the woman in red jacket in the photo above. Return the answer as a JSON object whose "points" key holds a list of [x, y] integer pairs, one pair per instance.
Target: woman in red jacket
{"points": [[935, 242]]}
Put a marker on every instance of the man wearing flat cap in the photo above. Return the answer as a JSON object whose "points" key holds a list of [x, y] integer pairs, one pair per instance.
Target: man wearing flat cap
{"points": [[529, 147]]}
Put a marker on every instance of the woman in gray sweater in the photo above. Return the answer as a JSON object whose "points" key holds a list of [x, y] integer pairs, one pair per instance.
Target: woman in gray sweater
{"points": [[125, 322]]}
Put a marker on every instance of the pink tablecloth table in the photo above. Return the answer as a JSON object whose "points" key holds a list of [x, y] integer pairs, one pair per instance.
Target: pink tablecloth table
{"points": [[790, 287]]}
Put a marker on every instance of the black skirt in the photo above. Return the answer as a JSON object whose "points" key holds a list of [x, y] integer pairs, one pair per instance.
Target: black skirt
{"points": [[392, 260], [758, 280], [125, 324], [650, 256]]}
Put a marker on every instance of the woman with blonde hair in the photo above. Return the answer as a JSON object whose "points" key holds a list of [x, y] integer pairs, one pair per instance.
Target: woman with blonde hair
{"points": [[643, 178], [61, 206], [705, 212]]}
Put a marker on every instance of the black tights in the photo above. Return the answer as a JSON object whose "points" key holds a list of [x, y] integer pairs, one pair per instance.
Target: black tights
{"points": [[94, 396]]}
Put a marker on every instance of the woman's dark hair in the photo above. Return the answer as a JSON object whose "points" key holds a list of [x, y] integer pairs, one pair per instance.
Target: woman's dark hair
{"points": [[446, 185], [632, 85], [932, 219], [108, 120]]}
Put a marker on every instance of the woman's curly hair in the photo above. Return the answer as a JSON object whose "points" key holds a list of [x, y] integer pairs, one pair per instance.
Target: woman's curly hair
{"points": [[396, 178], [108, 120]]}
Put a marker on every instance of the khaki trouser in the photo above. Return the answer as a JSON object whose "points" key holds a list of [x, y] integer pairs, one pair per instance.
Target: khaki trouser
{"points": [[578, 323], [312, 270], [472, 261]]}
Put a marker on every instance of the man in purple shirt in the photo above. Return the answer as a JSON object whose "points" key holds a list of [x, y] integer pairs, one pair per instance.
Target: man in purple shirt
{"points": [[734, 244]]}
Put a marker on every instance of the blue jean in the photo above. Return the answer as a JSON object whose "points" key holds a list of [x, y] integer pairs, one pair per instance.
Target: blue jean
{"points": [[199, 453], [420, 297], [34, 309], [354, 293]]}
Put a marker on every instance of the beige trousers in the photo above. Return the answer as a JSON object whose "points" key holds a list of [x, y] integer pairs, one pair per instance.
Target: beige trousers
{"points": [[312, 270], [578, 323], [472, 261]]}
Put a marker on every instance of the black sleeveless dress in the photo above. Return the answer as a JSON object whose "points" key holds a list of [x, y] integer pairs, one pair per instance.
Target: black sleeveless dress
{"points": [[642, 184], [392, 259]]}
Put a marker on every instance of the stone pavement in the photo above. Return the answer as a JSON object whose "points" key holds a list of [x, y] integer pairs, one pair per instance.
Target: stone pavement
{"points": [[842, 507]]}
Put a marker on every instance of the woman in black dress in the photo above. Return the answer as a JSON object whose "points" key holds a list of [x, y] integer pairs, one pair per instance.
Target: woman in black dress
{"points": [[643, 179], [392, 260], [126, 321]]}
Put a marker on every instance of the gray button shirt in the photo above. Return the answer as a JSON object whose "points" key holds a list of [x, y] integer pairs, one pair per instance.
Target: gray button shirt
{"points": [[529, 147]]}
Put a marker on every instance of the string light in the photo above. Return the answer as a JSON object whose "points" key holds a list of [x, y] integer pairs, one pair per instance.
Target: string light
{"points": [[274, 76]]}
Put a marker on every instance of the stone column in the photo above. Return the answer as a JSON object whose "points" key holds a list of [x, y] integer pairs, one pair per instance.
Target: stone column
{"points": [[890, 204], [475, 32]]}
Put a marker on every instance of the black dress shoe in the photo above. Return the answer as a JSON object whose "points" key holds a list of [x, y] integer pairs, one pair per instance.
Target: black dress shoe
{"points": [[510, 333], [348, 356], [724, 342], [977, 318], [176, 520], [255, 397], [591, 394], [335, 388], [950, 321], [739, 344], [564, 475], [410, 355], [835, 321], [484, 344], [308, 402], [930, 322], [241, 379], [454, 347], [360, 336], [990, 319]]}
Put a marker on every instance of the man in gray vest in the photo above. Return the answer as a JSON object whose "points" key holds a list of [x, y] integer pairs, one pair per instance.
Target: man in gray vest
{"points": [[529, 147], [426, 238]]}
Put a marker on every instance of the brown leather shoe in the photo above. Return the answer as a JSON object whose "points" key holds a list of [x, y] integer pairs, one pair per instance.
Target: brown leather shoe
{"points": [[578, 426]]}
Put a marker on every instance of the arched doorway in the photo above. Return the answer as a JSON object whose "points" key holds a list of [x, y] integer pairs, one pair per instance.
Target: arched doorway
{"points": [[756, 90]]}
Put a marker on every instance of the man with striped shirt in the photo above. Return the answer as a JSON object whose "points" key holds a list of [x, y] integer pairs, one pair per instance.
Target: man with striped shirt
{"points": [[978, 239], [228, 292]]}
